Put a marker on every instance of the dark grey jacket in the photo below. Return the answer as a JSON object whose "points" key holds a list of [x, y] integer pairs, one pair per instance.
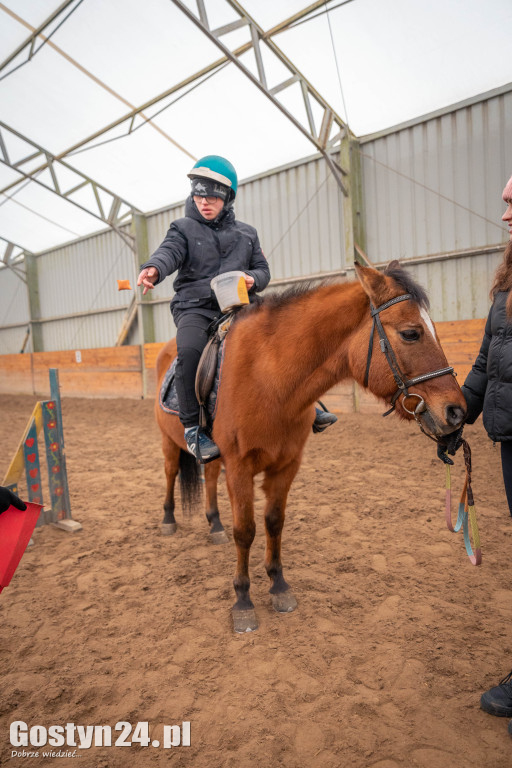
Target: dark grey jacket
{"points": [[200, 250], [488, 386]]}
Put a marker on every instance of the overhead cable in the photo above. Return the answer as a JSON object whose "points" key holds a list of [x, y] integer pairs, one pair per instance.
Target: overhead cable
{"points": [[50, 221], [336, 61], [294, 24], [429, 189]]}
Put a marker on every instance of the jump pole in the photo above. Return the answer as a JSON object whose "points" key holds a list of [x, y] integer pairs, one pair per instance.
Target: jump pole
{"points": [[47, 415]]}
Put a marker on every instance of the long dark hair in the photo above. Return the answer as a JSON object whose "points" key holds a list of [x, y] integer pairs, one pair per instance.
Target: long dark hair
{"points": [[503, 278]]}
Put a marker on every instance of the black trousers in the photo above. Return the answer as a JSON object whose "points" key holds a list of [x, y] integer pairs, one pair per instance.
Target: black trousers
{"points": [[506, 466], [191, 337]]}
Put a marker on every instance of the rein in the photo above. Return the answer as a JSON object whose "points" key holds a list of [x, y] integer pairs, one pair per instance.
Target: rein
{"points": [[467, 512], [466, 509], [402, 382]]}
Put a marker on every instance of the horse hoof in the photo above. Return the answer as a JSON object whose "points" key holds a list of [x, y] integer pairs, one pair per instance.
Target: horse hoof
{"points": [[284, 602], [245, 620], [169, 529], [219, 537]]}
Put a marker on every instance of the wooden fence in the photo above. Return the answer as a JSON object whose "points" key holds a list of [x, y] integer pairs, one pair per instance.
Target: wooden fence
{"points": [[129, 371]]}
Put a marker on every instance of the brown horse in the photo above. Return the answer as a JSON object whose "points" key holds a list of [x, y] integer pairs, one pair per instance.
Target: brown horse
{"points": [[281, 356]]}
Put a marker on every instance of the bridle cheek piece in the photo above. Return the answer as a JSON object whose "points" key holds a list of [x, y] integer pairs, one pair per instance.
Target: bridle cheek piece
{"points": [[402, 382]]}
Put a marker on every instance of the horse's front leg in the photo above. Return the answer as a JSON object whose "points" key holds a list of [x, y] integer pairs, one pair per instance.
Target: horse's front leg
{"points": [[211, 476], [241, 493], [276, 486]]}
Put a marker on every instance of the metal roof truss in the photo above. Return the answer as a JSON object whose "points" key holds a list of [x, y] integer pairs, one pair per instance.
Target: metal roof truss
{"points": [[321, 137]]}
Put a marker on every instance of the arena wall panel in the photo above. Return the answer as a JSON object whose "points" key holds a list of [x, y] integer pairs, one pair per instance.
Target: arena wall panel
{"points": [[433, 185], [109, 372], [129, 371], [16, 374]]}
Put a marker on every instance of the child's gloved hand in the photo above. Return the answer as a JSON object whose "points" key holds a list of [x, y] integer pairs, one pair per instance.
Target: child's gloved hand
{"points": [[8, 498]]}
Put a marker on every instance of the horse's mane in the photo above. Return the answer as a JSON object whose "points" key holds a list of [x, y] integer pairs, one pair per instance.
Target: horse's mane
{"points": [[276, 302], [407, 282], [279, 301]]}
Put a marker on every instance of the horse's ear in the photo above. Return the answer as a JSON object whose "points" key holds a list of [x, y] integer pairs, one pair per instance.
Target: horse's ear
{"points": [[374, 284]]}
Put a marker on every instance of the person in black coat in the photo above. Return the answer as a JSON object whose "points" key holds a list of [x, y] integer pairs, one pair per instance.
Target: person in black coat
{"points": [[207, 242], [8, 499], [488, 386], [488, 390]]}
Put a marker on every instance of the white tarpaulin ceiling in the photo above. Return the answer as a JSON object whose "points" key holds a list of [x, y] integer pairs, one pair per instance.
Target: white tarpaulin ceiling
{"points": [[376, 63]]}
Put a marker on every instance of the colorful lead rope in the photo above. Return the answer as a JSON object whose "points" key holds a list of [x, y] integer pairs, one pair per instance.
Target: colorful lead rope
{"points": [[467, 510]]}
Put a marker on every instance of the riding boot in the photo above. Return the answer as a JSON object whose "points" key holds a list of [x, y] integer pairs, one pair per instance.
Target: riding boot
{"points": [[323, 419], [498, 700], [200, 445]]}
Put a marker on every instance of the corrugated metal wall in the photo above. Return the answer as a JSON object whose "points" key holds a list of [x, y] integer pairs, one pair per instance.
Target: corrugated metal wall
{"points": [[430, 187], [434, 186], [13, 310], [82, 277]]}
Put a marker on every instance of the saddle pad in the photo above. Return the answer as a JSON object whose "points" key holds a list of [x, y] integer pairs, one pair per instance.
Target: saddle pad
{"points": [[168, 397]]}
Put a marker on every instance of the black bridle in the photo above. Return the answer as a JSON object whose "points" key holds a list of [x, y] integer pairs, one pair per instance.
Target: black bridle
{"points": [[402, 382]]}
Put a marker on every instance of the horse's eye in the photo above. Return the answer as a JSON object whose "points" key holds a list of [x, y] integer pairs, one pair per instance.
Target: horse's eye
{"points": [[410, 335]]}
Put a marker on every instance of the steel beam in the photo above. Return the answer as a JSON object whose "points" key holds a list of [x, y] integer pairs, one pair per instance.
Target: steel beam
{"points": [[24, 168], [11, 254], [30, 40], [209, 70], [36, 329], [258, 37]]}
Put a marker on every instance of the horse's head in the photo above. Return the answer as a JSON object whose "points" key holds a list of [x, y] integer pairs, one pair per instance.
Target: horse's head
{"points": [[396, 352]]}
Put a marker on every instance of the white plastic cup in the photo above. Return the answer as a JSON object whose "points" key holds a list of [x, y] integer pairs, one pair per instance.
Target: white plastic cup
{"points": [[230, 290]]}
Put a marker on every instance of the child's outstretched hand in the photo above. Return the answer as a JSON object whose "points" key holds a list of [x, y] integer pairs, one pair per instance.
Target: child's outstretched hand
{"points": [[148, 278]]}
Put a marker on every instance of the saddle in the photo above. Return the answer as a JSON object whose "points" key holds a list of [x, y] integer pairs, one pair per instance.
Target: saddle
{"points": [[207, 377], [206, 374]]}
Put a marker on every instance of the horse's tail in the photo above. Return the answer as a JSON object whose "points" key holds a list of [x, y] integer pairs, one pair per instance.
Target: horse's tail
{"points": [[190, 482]]}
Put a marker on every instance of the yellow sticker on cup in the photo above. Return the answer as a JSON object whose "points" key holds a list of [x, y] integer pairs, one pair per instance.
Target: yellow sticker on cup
{"points": [[242, 291]]}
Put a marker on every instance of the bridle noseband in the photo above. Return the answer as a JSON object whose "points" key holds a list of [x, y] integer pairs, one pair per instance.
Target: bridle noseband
{"points": [[402, 382]]}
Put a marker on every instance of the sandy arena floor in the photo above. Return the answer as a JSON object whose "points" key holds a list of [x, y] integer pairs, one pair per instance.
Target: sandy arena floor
{"points": [[382, 664]]}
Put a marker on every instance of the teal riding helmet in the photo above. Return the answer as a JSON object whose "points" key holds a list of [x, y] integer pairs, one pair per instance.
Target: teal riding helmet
{"points": [[218, 169]]}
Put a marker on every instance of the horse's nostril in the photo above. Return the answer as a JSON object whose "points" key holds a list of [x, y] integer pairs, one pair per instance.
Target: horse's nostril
{"points": [[454, 415]]}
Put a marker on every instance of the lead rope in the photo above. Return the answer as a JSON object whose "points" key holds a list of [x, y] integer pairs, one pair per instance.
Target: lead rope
{"points": [[466, 510]]}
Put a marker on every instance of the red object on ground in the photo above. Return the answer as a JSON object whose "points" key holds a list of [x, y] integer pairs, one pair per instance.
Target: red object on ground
{"points": [[16, 528]]}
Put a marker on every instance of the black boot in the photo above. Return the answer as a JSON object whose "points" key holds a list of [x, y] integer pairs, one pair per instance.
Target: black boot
{"points": [[323, 419], [498, 700], [200, 445]]}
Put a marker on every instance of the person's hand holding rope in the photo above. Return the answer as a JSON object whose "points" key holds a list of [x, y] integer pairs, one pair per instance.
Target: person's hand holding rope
{"points": [[449, 444]]}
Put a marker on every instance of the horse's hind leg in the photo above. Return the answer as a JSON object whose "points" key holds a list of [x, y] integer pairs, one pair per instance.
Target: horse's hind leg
{"points": [[276, 486], [172, 465], [211, 476]]}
